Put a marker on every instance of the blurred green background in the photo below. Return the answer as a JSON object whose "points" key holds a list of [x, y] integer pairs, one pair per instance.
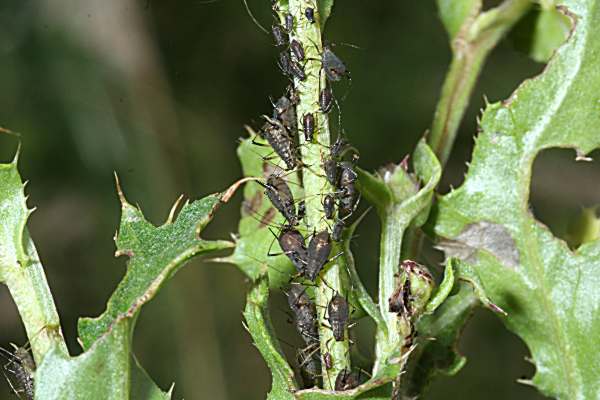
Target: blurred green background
{"points": [[159, 92]]}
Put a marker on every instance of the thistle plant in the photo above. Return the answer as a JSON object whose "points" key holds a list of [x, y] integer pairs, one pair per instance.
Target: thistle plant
{"points": [[289, 240]]}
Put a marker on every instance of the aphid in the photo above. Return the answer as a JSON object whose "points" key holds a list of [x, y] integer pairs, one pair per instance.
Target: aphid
{"points": [[284, 111], [297, 49], [281, 197], [22, 367], [297, 70], [347, 175], [277, 136], [289, 22], [337, 315], [397, 301], [310, 14], [292, 244], [325, 99], [308, 125], [301, 210], [310, 365], [328, 360], [332, 172], [284, 63], [346, 380], [334, 68], [279, 35], [348, 201], [328, 206], [338, 230], [319, 248], [305, 313]]}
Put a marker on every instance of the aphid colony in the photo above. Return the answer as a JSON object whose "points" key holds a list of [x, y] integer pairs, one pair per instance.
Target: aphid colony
{"points": [[309, 252]]}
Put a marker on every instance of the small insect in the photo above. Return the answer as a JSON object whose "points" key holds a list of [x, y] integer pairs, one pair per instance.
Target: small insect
{"points": [[289, 22], [310, 365], [297, 70], [297, 49], [284, 111], [22, 367], [348, 201], [277, 136], [334, 68], [332, 172], [284, 63], [281, 197], [305, 313], [397, 301], [309, 13], [325, 99], [301, 210], [319, 248], [292, 244], [279, 35], [337, 315], [328, 360], [347, 175], [308, 125], [338, 230], [329, 206], [346, 380]]}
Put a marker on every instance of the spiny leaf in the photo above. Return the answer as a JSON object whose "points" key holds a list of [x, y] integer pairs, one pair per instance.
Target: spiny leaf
{"points": [[155, 254], [549, 292], [20, 267]]}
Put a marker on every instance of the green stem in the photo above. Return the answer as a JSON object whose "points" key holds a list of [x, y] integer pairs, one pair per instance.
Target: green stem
{"points": [[471, 47], [30, 291], [334, 277], [394, 224]]}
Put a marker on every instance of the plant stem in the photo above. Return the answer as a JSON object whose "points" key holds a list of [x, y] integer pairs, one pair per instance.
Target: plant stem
{"points": [[29, 289], [333, 278], [470, 49]]}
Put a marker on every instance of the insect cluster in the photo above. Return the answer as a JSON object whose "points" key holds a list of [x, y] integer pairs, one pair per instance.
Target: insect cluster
{"points": [[18, 371], [308, 248]]}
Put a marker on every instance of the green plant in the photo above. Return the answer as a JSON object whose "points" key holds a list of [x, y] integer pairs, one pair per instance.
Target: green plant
{"points": [[498, 255]]}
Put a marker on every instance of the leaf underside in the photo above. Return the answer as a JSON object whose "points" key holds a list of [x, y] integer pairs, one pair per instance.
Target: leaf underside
{"points": [[549, 292]]}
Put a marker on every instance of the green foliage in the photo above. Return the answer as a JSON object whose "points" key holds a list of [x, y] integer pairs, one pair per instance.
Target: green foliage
{"points": [[541, 284], [455, 13]]}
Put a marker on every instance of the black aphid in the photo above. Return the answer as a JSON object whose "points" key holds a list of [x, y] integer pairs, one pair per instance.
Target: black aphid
{"points": [[338, 230], [347, 175], [281, 197], [332, 172], [297, 49], [301, 210], [398, 300], [334, 68], [22, 367], [289, 22], [305, 313], [337, 315], [339, 147], [319, 248], [284, 111], [310, 14], [310, 366], [297, 70], [284, 63], [277, 135], [292, 244], [348, 201], [346, 380], [328, 206], [279, 35], [308, 126], [325, 99]]}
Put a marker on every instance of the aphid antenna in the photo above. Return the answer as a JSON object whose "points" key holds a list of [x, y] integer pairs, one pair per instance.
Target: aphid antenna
{"points": [[262, 28], [266, 264]]}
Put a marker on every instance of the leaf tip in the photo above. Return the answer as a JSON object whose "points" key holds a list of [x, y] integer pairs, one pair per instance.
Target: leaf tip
{"points": [[122, 198], [174, 210]]}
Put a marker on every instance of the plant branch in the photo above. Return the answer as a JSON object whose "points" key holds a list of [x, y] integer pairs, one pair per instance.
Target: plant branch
{"points": [[470, 48], [333, 279]]}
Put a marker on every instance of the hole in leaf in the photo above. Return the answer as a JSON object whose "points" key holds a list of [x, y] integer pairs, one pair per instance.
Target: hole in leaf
{"points": [[495, 359], [561, 190]]}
